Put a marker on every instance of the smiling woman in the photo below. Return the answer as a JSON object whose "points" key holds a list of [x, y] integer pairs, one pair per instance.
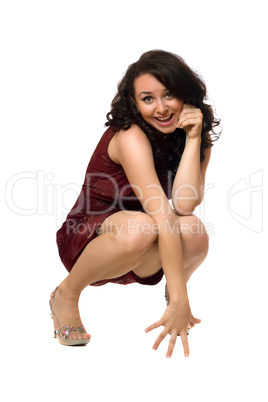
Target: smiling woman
{"points": [[122, 228], [181, 82], [158, 106]]}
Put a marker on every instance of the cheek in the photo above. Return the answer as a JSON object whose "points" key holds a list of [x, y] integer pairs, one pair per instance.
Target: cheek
{"points": [[179, 105], [145, 111]]}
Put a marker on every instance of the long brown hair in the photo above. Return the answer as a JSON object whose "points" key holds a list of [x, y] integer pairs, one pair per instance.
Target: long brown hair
{"points": [[184, 83]]}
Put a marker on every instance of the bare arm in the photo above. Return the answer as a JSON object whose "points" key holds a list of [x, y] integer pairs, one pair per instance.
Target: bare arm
{"points": [[188, 186], [134, 153]]}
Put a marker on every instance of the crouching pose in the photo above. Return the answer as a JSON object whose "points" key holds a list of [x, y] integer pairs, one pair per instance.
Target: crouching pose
{"points": [[133, 221]]}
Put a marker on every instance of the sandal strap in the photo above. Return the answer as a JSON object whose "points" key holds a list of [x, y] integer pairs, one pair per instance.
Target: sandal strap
{"points": [[64, 331], [51, 304]]}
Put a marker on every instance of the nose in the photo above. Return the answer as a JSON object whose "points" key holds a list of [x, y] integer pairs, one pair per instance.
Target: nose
{"points": [[161, 107]]}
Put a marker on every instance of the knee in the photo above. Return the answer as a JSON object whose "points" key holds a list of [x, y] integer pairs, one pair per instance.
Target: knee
{"points": [[202, 242], [139, 235], [194, 231]]}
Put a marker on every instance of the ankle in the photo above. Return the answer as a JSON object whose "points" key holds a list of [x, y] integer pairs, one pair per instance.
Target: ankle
{"points": [[68, 293]]}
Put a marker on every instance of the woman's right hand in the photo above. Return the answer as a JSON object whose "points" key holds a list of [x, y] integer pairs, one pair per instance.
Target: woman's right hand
{"points": [[175, 320]]}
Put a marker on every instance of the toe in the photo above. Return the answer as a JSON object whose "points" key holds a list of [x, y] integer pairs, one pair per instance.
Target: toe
{"points": [[73, 335], [84, 335]]}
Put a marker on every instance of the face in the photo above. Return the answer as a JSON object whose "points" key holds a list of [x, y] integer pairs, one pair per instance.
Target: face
{"points": [[156, 104]]}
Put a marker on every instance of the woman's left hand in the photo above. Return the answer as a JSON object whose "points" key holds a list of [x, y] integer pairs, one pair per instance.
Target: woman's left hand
{"points": [[190, 120]]}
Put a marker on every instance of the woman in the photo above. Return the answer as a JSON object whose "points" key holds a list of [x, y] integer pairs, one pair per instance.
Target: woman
{"points": [[122, 228]]}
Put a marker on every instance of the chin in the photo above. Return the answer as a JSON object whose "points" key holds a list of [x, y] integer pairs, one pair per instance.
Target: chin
{"points": [[166, 131]]}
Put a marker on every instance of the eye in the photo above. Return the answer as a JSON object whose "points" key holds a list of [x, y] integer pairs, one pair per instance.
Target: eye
{"points": [[147, 99], [169, 95]]}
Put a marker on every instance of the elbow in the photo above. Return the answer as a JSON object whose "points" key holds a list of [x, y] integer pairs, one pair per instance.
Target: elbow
{"points": [[185, 204], [185, 208]]}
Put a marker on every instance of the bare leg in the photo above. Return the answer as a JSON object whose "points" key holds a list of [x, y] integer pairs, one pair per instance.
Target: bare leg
{"points": [[120, 248], [109, 255], [194, 247]]}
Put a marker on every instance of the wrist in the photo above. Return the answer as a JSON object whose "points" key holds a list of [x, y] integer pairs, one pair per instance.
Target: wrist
{"points": [[179, 298], [176, 291], [193, 140]]}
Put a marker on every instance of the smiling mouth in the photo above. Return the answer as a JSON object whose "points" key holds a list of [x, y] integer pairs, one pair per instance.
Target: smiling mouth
{"points": [[164, 121]]}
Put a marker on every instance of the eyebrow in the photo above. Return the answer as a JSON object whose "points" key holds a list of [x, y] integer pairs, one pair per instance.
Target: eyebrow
{"points": [[145, 92], [148, 92]]}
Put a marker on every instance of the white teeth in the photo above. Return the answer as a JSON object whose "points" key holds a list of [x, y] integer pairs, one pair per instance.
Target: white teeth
{"points": [[163, 118]]}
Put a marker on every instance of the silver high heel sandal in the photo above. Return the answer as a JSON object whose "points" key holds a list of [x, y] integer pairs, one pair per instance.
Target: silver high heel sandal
{"points": [[167, 301], [63, 332]]}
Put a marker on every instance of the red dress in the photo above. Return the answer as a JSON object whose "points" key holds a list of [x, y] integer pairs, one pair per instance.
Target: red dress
{"points": [[105, 191]]}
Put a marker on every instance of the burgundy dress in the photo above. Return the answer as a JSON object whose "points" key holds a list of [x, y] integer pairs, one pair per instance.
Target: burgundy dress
{"points": [[105, 191]]}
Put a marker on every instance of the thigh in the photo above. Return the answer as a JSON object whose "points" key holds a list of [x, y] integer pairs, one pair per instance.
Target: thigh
{"points": [[143, 229], [150, 263], [128, 222]]}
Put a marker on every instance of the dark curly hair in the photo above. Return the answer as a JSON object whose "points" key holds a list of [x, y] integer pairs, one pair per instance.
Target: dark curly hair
{"points": [[184, 83]]}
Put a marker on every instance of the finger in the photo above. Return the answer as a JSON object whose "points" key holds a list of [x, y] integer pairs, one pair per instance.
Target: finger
{"points": [[171, 345], [160, 338], [192, 111], [188, 106], [189, 121], [194, 320], [185, 343], [153, 326]]}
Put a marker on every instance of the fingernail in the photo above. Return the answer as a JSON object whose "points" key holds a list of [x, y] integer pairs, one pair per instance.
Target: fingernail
{"points": [[186, 354]]}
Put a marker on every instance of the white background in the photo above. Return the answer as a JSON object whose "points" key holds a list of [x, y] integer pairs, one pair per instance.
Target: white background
{"points": [[60, 64]]}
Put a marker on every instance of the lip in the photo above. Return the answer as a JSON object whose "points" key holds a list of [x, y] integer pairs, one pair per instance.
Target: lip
{"points": [[163, 123]]}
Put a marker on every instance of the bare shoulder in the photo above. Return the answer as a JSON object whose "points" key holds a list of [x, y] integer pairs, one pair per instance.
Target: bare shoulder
{"points": [[132, 135], [126, 142]]}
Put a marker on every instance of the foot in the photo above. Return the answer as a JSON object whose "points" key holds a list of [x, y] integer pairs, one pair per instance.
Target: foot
{"points": [[67, 313]]}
